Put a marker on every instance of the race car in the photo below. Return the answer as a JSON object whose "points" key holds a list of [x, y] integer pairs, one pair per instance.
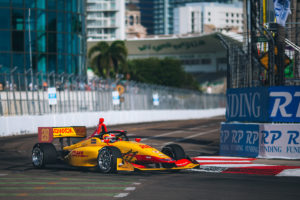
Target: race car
{"points": [[109, 152]]}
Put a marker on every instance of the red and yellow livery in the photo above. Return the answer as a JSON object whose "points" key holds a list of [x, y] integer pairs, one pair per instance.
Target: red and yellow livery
{"points": [[110, 153]]}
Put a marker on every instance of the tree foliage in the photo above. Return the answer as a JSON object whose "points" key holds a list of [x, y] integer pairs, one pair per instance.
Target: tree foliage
{"points": [[167, 71], [108, 60]]}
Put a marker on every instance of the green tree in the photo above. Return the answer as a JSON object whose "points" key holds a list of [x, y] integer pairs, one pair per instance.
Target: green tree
{"points": [[167, 71], [108, 60]]}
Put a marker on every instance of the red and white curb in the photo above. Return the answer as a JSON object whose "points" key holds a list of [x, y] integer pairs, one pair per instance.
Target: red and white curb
{"points": [[239, 165]]}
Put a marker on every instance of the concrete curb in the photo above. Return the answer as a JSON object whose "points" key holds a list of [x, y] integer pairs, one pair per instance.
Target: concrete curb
{"points": [[239, 165]]}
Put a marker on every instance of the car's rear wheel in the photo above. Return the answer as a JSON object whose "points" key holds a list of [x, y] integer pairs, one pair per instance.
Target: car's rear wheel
{"points": [[43, 154], [107, 159], [174, 151]]}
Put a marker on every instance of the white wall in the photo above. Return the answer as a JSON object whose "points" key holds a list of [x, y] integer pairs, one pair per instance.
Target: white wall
{"points": [[19, 125]]}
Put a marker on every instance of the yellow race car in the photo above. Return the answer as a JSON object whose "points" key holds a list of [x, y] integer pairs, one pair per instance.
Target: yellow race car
{"points": [[109, 152]]}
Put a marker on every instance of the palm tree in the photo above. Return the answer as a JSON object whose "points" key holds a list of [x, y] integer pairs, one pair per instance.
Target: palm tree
{"points": [[106, 59]]}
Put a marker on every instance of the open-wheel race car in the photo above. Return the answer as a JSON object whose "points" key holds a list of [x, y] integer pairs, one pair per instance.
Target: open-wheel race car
{"points": [[109, 152]]}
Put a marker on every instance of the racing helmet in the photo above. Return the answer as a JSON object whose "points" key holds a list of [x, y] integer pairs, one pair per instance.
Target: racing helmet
{"points": [[110, 137]]}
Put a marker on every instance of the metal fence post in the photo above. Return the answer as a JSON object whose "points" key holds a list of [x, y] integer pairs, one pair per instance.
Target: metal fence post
{"points": [[1, 110], [38, 92], [20, 94], [7, 94], [12, 88]]}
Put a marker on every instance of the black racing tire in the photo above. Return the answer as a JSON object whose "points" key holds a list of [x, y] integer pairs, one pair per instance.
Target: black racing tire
{"points": [[43, 154], [107, 159], [174, 151]]}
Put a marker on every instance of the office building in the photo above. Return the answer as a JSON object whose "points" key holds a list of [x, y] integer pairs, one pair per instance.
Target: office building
{"points": [[158, 15], [50, 37], [105, 19], [208, 17]]}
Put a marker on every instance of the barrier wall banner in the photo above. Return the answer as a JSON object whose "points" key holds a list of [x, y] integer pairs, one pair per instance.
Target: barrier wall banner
{"points": [[264, 104], [239, 140], [279, 141], [260, 140], [284, 104], [247, 104]]}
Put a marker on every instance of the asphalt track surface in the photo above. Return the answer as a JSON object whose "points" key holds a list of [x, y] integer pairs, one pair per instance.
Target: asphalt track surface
{"points": [[19, 180]]}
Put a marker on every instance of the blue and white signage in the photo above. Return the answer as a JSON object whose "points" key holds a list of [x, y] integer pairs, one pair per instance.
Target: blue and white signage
{"points": [[284, 104], [247, 104], [52, 96], [260, 140], [239, 140], [279, 141], [263, 104], [155, 98], [115, 98]]}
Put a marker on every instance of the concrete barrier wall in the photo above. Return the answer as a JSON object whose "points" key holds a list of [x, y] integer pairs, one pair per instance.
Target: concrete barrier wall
{"points": [[19, 125]]}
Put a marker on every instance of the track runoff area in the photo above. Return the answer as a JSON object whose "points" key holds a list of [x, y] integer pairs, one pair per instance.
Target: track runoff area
{"points": [[200, 139]]}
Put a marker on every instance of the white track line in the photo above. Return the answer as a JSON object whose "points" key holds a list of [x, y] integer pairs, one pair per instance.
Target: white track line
{"points": [[3, 174], [121, 195], [191, 136], [164, 134], [174, 132], [129, 189]]}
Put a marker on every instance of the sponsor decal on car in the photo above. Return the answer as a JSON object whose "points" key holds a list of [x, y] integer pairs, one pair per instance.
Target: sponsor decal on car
{"points": [[144, 146], [78, 154], [45, 134]]}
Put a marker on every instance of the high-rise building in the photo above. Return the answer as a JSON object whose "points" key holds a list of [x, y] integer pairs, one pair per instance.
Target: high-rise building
{"points": [[208, 17], [158, 15], [105, 19], [47, 35]]}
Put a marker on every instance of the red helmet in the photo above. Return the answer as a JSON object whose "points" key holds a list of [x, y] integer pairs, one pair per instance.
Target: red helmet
{"points": [[101, 120]]}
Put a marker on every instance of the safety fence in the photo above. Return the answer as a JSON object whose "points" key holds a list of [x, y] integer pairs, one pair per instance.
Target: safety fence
{"points": [[269, 54], [29, 94]]}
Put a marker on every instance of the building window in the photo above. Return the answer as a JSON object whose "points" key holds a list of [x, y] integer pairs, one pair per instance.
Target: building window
{"points": [[226, 14], [18, 40], [193, 22], [131, 20], [5, 24], [206, 61], [18, 19], [209, 19], [208, 13]]}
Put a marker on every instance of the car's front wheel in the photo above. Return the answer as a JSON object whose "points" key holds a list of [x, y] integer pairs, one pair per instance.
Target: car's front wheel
{"points": [[107, 159], [174, 151]]}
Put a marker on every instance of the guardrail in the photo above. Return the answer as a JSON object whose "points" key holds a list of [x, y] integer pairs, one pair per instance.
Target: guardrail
{"points": [[23, 94]]}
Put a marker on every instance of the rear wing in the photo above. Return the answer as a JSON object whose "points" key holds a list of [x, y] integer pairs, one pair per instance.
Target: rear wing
{"points": [[47, 134]]}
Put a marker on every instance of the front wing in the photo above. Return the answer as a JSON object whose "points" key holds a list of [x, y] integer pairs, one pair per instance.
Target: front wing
{"points": [[127, 166]]}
